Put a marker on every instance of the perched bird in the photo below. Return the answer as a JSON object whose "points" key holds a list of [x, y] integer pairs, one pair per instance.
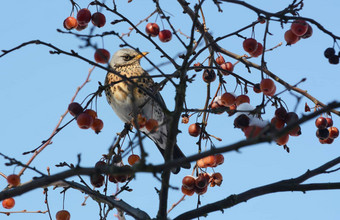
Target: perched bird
{"points": [[127, 100]]}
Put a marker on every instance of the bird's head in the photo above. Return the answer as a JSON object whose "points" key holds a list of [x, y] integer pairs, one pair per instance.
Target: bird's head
{"points": [[125, 57]]}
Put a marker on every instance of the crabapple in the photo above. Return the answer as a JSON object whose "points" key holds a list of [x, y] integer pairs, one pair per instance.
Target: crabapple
{"points": [[102, 56], [165, 36], [84, 16], [152, 29]]}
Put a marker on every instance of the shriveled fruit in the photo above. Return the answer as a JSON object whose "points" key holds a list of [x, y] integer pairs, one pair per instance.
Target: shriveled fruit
{"points": [[75, 109], [133, 158], [84, 16], [291, 38], [63, 215], [209, 76], [98, 19], [70, 23], [152, 29], [165, 36], [216, 179], [84, 120], [13, 180], [250, 45], [102, 56], [8, 203], [194, 129], [188, 182]]}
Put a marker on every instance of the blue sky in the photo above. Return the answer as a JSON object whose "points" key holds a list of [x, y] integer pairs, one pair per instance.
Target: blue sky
{"points": [[36, 88]]}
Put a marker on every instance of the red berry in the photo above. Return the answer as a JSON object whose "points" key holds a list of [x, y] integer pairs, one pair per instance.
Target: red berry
{"points": [[267, 86], [219, 159], [220, 60], [188, 192], [97, 180], [257, 88], [228, 99], [13, 180], [165, 36], [133, 158], [201, 182], [299, 27], [75, 109], [91, 112], [250, 45], [8, 203], [252, 131], [201, 191], [151, 125], [333, 132], [209, 76], [188, 182], [97, 125], [194, 130], [84, 16], [197, 65], [291, 38], [100, 164], [281, 113], [84, 121], [216, 179], [98, 19], [70, 23], [258, 51], [329, 122], [152, 29], [291, 118], [227, 66], [283, 139], [102, 56], [322, 133], [242, 121], [63, 215], [209, 161], [309, 32], [321, 123], [277, 123], [81, 27], [242, 99], [296, 131]]}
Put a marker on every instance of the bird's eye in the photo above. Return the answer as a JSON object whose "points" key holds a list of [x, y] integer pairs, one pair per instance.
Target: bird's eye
{"points": [[127, 57]]}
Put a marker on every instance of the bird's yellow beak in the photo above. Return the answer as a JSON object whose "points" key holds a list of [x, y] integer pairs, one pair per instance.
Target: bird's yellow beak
{"points": [[139, 56]]}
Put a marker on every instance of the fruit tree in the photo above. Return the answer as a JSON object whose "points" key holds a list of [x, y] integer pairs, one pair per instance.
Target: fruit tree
{"points": [[246, 89]]}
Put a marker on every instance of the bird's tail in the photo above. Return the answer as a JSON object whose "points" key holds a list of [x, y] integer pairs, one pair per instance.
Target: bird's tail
{"points": [[177, 154]]}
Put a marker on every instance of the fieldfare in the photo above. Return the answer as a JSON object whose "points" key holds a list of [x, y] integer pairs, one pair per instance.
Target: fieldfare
{"points": [[135, 94]]}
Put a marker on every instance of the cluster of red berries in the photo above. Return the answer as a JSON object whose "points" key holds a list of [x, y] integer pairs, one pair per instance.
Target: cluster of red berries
{"points": [[83, 19], [97, 180], [13, 180], [150, 124], [253, 47], [153, 30], [326, 132], [85, 119], [331, 56], [299, 29], [199, 184], [63, 215], [224, 65]]}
